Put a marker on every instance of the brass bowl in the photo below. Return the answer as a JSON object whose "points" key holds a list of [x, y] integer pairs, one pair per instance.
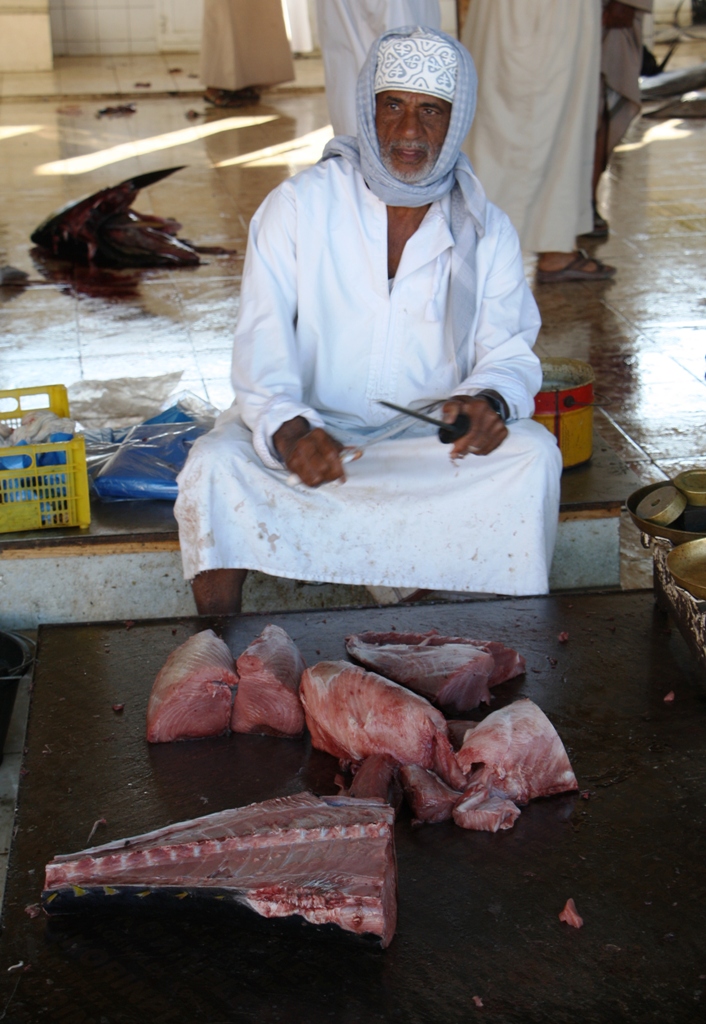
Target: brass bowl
{"points": [[654, 529], [687, 564], [692, 483]]}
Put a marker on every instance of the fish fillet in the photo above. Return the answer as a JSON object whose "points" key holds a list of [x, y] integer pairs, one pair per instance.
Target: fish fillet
{"points": [[328, 859], [267, 700], [489, 816], [431, 799], [191, 696], [521, 753], [454, 672], [352, 714], [377, 777]]}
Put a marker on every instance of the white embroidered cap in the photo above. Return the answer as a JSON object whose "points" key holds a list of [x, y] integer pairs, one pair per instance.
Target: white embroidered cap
{"points": [[419, 62]]}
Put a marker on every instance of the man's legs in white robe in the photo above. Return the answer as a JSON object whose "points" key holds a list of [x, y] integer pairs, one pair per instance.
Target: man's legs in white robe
{"points": [[406, 517]]}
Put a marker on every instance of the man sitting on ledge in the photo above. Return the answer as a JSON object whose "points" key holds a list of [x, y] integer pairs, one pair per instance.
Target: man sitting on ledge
{"points": [[381, 273]]}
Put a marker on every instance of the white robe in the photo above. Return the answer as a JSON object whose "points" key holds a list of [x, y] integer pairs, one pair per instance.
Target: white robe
{"points": [[347, 29], [320, 334], [533, 137], [243, 44], [298, 27]]}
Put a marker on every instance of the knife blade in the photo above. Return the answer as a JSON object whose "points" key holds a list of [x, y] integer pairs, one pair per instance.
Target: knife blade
{"points": [[448, 432]]}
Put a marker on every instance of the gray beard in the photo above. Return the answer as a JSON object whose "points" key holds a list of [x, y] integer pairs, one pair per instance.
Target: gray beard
{"points": [[413, 175]]}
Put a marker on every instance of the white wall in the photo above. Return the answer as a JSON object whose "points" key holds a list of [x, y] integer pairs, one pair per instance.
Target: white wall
{"points": [[103, 27], [96, 27], [25, 43]]}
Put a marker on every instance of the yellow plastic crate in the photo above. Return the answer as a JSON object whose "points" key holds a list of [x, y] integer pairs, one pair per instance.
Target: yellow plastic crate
{"points": [[42, 486]]}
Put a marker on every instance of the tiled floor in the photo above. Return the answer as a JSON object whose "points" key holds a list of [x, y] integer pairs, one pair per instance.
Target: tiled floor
{"points": [[644, 333], [133, 76]]}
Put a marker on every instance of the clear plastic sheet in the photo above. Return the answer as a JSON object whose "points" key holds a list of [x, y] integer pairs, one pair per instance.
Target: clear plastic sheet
{"points": [[121, 402], [142, 462]]}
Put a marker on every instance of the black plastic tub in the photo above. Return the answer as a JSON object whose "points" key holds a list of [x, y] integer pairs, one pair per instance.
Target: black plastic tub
{"points": [[16, 656]]}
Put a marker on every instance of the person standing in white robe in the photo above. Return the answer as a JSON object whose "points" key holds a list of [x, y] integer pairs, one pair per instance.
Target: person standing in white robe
{"points": [[347, 30], [298, 25], [533, 139], [244, 47], [381, 273], [621, 61]]}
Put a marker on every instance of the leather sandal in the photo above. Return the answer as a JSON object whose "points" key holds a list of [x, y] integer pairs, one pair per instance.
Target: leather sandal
{"points": [[230, 98], [577, 270]]}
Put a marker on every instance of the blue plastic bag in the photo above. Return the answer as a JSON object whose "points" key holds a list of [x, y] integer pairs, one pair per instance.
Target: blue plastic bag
{"points": [[146, 462]]}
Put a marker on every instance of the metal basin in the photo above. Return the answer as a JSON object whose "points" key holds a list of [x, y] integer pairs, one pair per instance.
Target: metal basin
{"points": [[687, 564]]}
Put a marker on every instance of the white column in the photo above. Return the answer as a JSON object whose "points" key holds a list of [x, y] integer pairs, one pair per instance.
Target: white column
{"points": [[25, 36]]}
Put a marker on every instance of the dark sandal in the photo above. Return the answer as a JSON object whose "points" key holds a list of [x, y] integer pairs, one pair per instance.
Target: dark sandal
{"points": [[228, 98], [576, 270]]}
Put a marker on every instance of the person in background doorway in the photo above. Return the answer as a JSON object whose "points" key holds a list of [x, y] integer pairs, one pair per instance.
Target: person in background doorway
{"points": [[244, 47], [296, 14], [533, 139], [621, 61], [347, 29]]}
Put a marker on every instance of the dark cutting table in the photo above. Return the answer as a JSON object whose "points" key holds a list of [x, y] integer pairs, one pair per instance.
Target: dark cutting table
{"points": [[477, 912]]}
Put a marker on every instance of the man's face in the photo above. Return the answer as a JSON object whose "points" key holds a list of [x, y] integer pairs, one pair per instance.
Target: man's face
{"points": [[411, 128]]}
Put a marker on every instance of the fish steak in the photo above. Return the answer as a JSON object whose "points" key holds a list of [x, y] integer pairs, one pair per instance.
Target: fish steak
{"points": [[192, 695], [329, 859], [521, 753], [353, 714], [511, 757], [267, 699], [453, 672]]}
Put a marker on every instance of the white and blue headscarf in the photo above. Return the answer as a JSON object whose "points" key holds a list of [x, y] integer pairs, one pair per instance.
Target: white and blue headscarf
{"points": [[452, 171]]}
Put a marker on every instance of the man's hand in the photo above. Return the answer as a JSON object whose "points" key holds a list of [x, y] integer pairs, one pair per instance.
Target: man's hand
{"points": [[312, 454], [487, 428], [618, 15]]}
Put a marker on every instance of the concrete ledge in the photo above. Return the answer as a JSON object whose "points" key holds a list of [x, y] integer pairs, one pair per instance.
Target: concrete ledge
{"points": [[143, 580], [127, 565]]}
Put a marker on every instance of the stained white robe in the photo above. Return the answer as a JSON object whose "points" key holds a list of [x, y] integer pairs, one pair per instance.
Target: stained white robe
{"points": [[533, 137], [320, 334], [347, 29]]}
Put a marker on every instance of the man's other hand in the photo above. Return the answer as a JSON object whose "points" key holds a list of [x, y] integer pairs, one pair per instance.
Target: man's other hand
{"points": [[487, 430], [312, 454]]}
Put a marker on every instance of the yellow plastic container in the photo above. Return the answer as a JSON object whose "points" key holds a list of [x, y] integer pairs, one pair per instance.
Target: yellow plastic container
{"points": [[564, 406], [42, 486]]}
